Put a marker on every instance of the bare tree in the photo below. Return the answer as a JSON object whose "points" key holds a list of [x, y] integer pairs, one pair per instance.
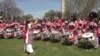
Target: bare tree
{"points": [[10, 8], [82, 7]]}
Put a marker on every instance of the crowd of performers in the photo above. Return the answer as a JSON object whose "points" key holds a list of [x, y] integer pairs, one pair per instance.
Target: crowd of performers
{"points": [[71, 30]]}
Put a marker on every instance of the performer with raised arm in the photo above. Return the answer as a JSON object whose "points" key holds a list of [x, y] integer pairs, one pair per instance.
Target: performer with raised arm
{"points": [[29, 37]]}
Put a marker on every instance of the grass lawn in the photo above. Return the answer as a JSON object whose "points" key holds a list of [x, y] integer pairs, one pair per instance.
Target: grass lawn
{"points": [[14, 47]]}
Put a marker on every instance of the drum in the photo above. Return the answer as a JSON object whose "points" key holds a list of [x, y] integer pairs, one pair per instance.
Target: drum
{"points": [[36, 31], [54, 32], [9, 30], [87, 40], [45, 35], [89, 36]]}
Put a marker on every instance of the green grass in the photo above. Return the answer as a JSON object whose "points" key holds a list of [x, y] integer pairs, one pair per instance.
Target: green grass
{"points": [[14, 47]]}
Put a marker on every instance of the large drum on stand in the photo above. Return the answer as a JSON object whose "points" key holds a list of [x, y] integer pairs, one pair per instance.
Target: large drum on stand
{"points": [[55, 35], [88, 36], [88, 39], [45, 34], [36, 31], [36, 34]]}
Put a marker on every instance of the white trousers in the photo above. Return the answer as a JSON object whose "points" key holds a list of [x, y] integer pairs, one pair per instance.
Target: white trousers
{"points": [[28, 47]]}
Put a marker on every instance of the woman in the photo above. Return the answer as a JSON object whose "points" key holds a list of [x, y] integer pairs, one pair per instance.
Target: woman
{"points": [[98, 32], [80, 24], [93, 27], [85, 25], [2, 28], [49, 25], [29, 37], [37, 29], [9, 32], [73, 26], [59, 24]]}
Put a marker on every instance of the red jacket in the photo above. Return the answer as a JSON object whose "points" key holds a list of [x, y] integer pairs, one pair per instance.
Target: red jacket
{"points": [[98, 31]]}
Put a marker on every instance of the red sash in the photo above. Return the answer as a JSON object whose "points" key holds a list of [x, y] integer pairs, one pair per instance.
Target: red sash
{"points": [[98, 32]]}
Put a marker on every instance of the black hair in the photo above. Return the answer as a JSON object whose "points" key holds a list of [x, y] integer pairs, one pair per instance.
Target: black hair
{"points": [[93, 15], [73, 18]]}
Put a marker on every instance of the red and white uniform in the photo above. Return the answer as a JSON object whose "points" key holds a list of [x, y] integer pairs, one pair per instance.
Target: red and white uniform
{"points": [[49, 25], [80, 24], [29, 39], [43, 26], [97, 37], [92, 25], [73, 29], [66, 25], [2, 28], [3, 25], [59, 24], [38, 26], [29, 34], [98, 31], [85, 26]]}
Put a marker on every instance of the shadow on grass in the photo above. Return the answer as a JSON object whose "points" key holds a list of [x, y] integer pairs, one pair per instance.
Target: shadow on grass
{"points": [[7, 38], [67, 44], [54, 41], [46, 39], [85, 46]]}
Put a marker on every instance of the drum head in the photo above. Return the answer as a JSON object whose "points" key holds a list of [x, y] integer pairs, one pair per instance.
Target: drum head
{"points": [[36, 31], [55, 32], [9, 30], [87, 35]]}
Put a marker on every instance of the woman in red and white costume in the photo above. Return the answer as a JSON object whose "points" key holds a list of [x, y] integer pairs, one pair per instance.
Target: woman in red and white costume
{"points": [[59, 24], [64, 27], [29, 37], [98, 33], [10, 29], [2, 27], [85, 25], [43, 25], [17, 30], [38, 25], [49, 25], [73, 26], [80, 23], [92, 23], [3, 24]]}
